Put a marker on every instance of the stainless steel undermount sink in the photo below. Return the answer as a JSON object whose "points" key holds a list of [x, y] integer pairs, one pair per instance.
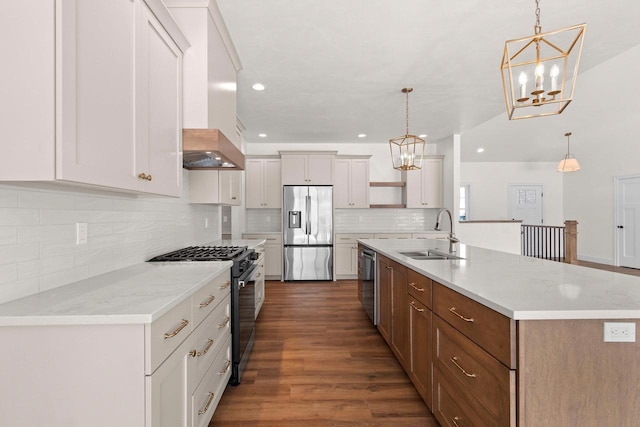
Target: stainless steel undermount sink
{"points": [[428, 254]]}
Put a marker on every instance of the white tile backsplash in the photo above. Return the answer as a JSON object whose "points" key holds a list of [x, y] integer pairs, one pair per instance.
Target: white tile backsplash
{"points": [[384, 220], [38, 249], [263, 220]]}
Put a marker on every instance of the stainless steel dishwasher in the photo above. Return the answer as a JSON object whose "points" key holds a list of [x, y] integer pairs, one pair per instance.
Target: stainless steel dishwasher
{"points": [[368, 278]]}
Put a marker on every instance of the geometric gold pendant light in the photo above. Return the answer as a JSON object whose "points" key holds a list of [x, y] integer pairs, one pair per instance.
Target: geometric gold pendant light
{"points": [[539, 71], [407, 150], [568, 163]]}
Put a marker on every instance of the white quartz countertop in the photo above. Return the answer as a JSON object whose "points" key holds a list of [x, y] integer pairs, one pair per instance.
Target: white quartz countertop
{"points": [[137, 294], [523, 288]]}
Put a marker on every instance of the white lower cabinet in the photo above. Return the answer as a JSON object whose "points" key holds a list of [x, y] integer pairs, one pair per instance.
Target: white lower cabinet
{"points": [[167, 373], [346, 254], [272, 254]]}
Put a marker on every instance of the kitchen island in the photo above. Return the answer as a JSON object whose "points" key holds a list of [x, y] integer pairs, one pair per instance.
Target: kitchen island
{"points": [[510, 340]]}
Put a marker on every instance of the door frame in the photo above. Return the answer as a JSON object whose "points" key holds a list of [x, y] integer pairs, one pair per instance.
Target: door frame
{"points": [[616, 212]]}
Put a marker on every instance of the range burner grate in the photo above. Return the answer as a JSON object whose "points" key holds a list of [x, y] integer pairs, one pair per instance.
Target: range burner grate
{"points": [[202, 253]]}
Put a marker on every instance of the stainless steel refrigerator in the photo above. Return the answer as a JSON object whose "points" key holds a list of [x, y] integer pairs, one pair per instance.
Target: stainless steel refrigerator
{"points": [[308, 232]]}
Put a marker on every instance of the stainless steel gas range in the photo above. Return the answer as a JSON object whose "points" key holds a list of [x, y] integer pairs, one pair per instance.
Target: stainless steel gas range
{"points": [[243, 272]]}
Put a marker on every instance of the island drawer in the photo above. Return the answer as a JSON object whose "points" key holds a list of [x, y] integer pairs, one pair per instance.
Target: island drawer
{"points": [[489, 329], [164, 335], [486, 384], [449, 409], [419, 287], [206, 299]]}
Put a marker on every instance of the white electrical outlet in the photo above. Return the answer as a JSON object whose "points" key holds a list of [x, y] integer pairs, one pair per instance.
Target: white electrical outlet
{"points": [[81, 233], [360, 218], [619, 332], [206, 223]]}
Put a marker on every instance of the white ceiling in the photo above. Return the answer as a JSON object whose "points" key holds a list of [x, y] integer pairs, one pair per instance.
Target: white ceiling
{"points": [[335, 68]]}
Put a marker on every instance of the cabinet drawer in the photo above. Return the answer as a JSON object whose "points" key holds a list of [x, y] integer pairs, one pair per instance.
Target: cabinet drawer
{"points": [[352, 237], [210, 336], [450, 410], [207, 298], [419, 287], [489, 329], [486, 384], [207, 395], [270, 239], [393, 236], [164, 335]]}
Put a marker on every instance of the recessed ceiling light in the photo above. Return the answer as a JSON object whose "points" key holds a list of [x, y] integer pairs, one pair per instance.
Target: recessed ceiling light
{"points": [[424, 135], [362, 135], [262, 135], [480, 150], [258, 86]]}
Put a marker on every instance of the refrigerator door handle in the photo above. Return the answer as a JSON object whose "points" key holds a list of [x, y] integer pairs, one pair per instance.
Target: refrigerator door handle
{"points": [[308, 209]]}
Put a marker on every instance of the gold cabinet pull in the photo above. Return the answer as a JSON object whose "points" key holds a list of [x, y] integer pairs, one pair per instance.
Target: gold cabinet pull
{"points": [[226, 368], [225, 323], [226, 285], [183, 325], [454, 360], [206, 408], [388, 267], [206, 349], [145, 176], [466, 319], [416, 308], [454, 421], [413, 285], [193, 353], [207, 302]]}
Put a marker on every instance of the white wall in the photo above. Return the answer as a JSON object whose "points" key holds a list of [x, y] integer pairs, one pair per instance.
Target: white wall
{"points": [[489, 184], [38, 248]]}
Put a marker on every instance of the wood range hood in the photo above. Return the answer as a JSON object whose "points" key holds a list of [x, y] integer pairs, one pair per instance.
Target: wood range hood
{"points": [[210, 149]]}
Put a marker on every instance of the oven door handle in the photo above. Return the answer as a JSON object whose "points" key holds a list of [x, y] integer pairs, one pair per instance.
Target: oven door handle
{"points": [[247, 276]]}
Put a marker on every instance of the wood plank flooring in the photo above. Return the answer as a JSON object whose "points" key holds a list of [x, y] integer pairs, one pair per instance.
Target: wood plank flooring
{"points": [[318, 361]]}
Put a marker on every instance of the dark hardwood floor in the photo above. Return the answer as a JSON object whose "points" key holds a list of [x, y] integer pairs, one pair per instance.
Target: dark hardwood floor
{"points": [[318, 361]]}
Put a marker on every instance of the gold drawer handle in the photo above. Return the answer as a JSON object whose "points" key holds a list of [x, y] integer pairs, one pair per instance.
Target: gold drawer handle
{"points": [[466, 319], [454, 360], [225, 323], [207, 302], [413, 285], [416, 308], [226, 368], [258, 275], [388, 267], [209, 344], [226, 285], [145, 176], [183, 325], [454, 419], [206, 408]]}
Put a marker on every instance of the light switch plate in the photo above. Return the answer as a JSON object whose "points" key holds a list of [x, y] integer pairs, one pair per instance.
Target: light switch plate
{"points": [[619, 332], [81, 233]]}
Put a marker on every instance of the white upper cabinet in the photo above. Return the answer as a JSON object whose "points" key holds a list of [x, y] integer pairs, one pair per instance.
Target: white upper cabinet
{"points": [[424, 187], [215, 187], [263, 183], [351, 188], [307, 168], [159, 112], [100, 101]]}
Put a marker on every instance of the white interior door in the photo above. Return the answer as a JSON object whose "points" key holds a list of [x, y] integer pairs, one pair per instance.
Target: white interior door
{"points": [[525, 203], [628, 221]]}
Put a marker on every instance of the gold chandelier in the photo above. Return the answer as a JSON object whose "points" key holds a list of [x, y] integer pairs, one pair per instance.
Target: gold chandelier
{"points": [[539, 72], [568, 163], [407, 150]]}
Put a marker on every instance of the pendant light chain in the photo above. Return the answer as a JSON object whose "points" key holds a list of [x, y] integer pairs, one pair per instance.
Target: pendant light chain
{"points": [[407, 111], [537, 27]]}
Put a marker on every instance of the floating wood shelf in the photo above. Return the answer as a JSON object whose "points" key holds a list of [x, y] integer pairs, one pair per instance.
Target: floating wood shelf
{"points": [[386, 184], [401, 206]]}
